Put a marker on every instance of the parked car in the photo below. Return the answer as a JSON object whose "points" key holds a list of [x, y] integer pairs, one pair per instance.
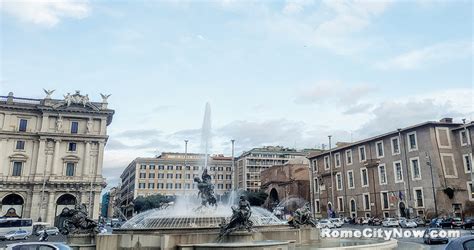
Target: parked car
{"points": [[429, 237], [325, 223], [337, 222], [375, 222], [436, 222], [52, 231], [468, 222], [419, 222], [38, 245], [451, 222], [408, 224], [390, 222], [461, 243], [15, 235]]}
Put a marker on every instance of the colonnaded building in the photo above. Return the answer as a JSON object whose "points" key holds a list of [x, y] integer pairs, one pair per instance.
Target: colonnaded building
{"points": [[423, 170], [51, 154], [171, 175]]}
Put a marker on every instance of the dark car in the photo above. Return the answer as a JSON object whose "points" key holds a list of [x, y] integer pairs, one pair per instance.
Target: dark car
{"points": [[461, 243], [468, 222], [431, 236], [419, 222], [451, 222]]}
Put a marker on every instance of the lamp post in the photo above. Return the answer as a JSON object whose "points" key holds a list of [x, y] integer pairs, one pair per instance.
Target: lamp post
{"points": [[468, 141], [428, 162], [233, 167], [186, 165], [330, 169]]}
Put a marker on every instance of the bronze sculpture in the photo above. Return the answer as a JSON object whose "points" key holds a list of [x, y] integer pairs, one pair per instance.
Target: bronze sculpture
{"points": [[76, 221], [240, 219]]}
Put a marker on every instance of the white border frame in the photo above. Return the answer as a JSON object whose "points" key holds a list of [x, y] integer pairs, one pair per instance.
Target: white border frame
{"points": [[469, 196], [416, 141], [353, 179], [398, 143], [327, 163], [467, 137], [352, 157], [381, 200], [342, 182], [377, 149], [336, 155], [365, 153], [413, 170], [363, 202], [416, 199], [362, 177], [380, 176], [438, 129], [340, 198], [464, 163]]}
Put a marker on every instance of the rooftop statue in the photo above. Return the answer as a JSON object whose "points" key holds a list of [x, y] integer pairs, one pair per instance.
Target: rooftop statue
{"points": [[76, 221], [206, 190], [240, 219], [302, 216], [48, 93], [76, 98]]}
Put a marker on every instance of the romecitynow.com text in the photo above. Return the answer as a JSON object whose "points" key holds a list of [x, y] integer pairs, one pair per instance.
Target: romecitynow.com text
{"points": [[386, 234]]}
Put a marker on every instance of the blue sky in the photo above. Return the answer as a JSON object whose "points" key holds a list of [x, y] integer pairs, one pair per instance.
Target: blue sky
{"points": [[275, 72]]}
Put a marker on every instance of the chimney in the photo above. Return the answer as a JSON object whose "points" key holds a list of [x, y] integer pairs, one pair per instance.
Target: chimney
{"points": [[446, 120]]}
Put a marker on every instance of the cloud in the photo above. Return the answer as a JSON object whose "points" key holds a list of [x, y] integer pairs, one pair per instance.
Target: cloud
{"points": [[296, 6], [433, 54], [115, 144], [45, 12], [334, 92], [358, 108], [139, 133]]}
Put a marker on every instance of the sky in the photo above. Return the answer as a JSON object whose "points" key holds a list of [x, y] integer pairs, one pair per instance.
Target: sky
{"points": [[284, 73]]}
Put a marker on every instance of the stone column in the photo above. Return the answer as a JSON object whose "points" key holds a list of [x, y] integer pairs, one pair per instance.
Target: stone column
{"points": [[103, 126], [41, 163], [96, 209], [51, 208], [45, 123], [100, 158], [86, 166], [56, 166], [36, 206], [3, 167]]}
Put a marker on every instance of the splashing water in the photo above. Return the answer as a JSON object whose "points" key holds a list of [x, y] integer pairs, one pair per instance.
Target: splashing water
{"points": [[206, 135]]}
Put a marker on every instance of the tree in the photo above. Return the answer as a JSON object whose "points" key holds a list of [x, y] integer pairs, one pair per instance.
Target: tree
{"points": [[141, 203], [256, 198]]}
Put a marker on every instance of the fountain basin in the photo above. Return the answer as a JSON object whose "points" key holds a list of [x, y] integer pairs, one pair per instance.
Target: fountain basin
{"points": [[253, 245]]}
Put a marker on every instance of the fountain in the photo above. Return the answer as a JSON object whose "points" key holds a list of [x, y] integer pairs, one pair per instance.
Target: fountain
{"points": [[195, 222]]}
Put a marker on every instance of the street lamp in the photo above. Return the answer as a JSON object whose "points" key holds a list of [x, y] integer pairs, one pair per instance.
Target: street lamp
{"points": [[428, 162], [185, 164], [330, 169], [233, 167]]}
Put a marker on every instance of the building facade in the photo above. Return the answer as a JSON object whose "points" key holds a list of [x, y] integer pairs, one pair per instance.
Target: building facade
{"points": [[172, 174], [422, 170], [288, 184], [51, 154], [251, 163]]}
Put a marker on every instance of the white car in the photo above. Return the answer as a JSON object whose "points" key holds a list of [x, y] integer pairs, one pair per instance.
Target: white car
{"points": [[337, 222], [408, 224], [390, 222], [38, 245], [325, 223]]}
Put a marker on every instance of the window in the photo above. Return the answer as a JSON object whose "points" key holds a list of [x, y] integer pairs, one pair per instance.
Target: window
{"points": [[161, 176], [71, 147], [315, 165], [161, 167], [442, 137], [350, 179], [228, 186], [340, 203], [415, 169], [74, 127], [141, 185], [338, 181], [70, 169], [160, 185], [366, 199], [142, 175], [349, 157], [17, 167], [142, 166], [169, 185], [23, 125], [187, 176], [316, 185], [397, 171], [384, 199], [152, 166], [419, 199], [412, 143], [470, 191], [228, 169], [169, 167], [395, 146], [169, 176], [464, 138], [337, 159], [382, 175], [364, 177], [177, 185], [20, 145], [196, 168], [220, 168], [220, 186], [467, 161], [362, 154], [326, 163], [151, 185], [179, 176], [151, 175], [179, 167], [449, 165], [228, 177], [317, 206], [379, 148]]}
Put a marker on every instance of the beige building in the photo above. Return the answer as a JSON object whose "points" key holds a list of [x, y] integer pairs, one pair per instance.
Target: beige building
{"points": [[251, 163], [172, 174], [51, 154], [390, 174]]}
